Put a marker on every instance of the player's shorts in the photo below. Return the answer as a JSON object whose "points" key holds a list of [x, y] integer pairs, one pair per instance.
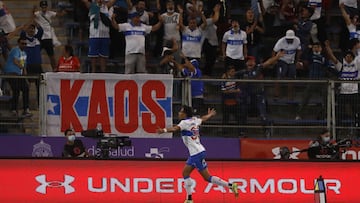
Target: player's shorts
{"points": [[99, 47], [197, 161]]}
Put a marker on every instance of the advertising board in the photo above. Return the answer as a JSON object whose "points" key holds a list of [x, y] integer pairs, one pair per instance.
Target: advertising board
{"points": [[160, 181]]}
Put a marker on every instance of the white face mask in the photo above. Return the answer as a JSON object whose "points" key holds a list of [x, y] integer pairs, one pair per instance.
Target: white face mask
{"points": [[326, 139], [170, 10], [71, 138]]}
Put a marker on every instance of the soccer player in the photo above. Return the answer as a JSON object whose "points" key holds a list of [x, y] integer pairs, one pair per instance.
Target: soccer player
{"points": [[189, 127]]}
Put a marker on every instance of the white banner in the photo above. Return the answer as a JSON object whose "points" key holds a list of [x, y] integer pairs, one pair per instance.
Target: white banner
{"points": [[125, 105]]}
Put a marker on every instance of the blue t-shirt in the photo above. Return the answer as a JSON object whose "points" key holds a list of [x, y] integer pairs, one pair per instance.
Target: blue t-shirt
{"points": [[10, 66]]}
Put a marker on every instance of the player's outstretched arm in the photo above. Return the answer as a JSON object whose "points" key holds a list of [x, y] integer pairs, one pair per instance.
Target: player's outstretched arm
{"points": [[211, 113], [167, 130]]}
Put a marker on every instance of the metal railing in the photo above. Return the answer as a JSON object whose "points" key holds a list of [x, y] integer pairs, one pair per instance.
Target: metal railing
{"points": [[10, 123], [315, 104]]}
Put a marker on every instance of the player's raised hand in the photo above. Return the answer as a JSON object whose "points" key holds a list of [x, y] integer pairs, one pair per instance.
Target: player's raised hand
{"points": [[211, 111]]}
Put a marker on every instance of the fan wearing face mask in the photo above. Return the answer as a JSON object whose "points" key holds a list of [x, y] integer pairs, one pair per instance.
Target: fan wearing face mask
{"points": [[73, 147], [323, 147]]}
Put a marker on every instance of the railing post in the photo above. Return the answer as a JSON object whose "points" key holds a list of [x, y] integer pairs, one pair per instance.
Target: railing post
{"points": [[42, 105], [331, 117], [186, 92]]}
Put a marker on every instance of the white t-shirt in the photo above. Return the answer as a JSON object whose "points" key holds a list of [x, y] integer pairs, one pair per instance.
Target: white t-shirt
{"points": [[44, 20], [348, 72], [349, 3], [192, 42], [191, 136], [317, 11], [290, 49], [210, 32], [102, 30], [171, 23], [235, 44], [353, 32], [7, 22], [134, 37]]}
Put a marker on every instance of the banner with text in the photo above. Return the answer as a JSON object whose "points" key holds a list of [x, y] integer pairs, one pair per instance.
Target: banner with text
{"points": [[142, 148], [160, 181], [132, 105]]}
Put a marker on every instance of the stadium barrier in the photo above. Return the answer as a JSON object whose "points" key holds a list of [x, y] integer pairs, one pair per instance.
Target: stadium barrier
{"points": [[317, 101], [46, 180]]}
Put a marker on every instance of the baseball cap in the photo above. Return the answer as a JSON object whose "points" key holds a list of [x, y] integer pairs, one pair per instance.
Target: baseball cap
{"points": [[195, 63], [290, 34], [43, 4]]}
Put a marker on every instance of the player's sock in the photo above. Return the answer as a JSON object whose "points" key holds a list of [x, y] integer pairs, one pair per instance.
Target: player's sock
{"points": [[189, 197], [188, 186], [218, 181]]}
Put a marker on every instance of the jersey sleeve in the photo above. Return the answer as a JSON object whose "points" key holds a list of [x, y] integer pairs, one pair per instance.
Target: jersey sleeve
{"points": [[277, 46], [225, 37], [338, 66], [245, 37], [123, 27], [52, 14], [198, 121], [148, 29], [182, 125], [299, 45]]}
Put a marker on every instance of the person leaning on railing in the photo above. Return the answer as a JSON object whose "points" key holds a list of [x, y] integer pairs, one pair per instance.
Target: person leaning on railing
{"points": [[68, 62], [16, 65], [348, 97]]}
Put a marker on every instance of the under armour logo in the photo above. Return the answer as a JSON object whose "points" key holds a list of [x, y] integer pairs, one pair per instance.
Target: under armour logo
{"points": [[44, 184]]}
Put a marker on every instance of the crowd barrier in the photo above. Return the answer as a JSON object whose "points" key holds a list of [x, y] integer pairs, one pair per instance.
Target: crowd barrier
{"points": [[313, 105]]}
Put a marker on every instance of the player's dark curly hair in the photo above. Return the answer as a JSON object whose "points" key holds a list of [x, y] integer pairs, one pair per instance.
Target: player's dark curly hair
{"points": [[187, 110]]}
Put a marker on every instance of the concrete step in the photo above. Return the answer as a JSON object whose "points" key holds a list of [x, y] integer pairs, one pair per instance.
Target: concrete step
{"points": [[17, 4]]}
